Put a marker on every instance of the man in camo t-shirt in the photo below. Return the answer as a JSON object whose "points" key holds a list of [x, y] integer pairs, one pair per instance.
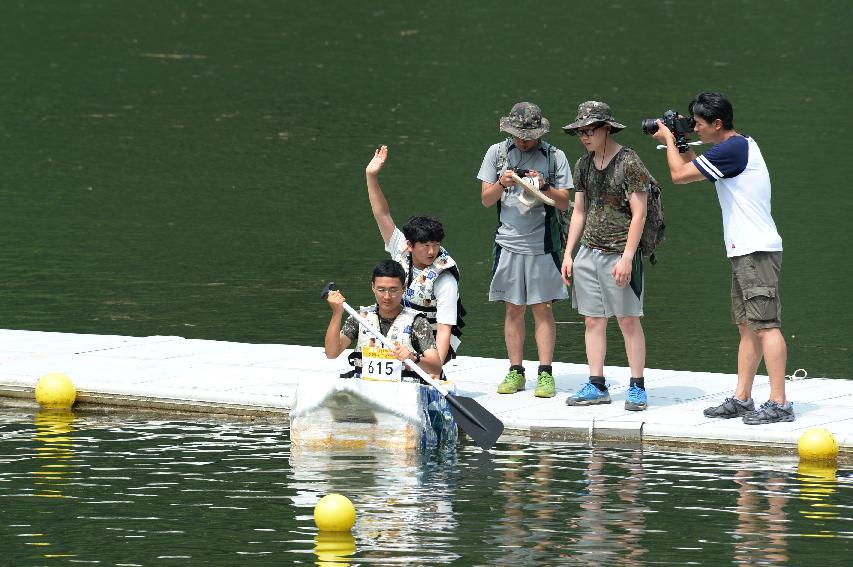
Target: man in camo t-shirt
{"points": [[611, 193]]}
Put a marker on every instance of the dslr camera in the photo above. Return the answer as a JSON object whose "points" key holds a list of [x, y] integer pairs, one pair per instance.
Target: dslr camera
{"points": [[680, 127]]}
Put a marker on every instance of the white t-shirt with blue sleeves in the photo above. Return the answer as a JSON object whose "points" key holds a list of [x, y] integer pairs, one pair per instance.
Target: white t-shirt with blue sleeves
{"points": [[738, 171]]}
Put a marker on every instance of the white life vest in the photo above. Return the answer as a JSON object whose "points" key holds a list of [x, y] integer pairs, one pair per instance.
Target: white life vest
{"points": [[420, 294], [400, 331]]}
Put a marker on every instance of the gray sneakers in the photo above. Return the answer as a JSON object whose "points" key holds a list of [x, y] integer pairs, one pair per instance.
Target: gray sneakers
{"points": [[730, 408], [770, 412]]}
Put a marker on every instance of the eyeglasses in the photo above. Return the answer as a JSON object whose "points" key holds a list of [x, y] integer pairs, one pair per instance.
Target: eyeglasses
{"points": [[390, 292], [588, 131]]}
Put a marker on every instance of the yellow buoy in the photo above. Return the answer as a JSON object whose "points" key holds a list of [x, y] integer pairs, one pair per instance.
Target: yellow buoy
{"points": [[55, 390], [817, 444], [334, 513]]}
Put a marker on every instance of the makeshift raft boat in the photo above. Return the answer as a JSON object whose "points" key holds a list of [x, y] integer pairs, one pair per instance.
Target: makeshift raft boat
{"points": [[351, 413]]}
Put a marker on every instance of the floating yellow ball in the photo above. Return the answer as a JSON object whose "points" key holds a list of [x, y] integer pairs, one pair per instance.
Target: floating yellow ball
{"points": [[817, 444], [55, 390], [334, 513]]}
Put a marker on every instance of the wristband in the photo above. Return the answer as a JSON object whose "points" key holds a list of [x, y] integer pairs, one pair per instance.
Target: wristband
{"points": [[417, 358]]}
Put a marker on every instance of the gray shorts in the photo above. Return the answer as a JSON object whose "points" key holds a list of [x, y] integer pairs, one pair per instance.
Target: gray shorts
{"points": [[755, 290], [594, 291], [526, 279]]}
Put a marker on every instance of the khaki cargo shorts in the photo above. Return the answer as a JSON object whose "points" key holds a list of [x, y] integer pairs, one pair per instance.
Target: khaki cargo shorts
{"points": [[755, 290]]}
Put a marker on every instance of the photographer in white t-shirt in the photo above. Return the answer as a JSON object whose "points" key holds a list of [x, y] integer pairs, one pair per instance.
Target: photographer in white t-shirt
{"points": [[736, 167]]}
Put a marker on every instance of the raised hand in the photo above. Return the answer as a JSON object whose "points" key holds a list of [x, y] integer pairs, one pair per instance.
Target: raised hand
{"points": [[375, 165]]}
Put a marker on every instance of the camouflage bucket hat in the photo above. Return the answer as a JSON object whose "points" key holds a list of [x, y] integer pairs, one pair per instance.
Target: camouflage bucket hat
{"points": [[525, 121], [593, 112]]}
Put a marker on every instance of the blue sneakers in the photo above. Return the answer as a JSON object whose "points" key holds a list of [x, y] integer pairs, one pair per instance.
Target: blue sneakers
{"points": [[588, 395], [636, 399]]}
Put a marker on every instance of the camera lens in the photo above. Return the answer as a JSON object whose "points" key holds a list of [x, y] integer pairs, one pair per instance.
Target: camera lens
{"points": [[650, 125]]}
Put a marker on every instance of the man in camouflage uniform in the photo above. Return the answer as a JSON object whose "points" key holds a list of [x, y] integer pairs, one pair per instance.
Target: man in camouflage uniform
{"points": [[611, 193], [528, 244]]}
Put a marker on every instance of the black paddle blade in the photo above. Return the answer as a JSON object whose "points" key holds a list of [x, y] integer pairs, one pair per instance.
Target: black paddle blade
{"points": [[329, 287], [475, 420]]}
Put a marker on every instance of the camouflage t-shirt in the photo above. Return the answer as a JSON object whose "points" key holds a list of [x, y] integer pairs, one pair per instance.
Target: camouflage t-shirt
{"points": [[608, 215]]}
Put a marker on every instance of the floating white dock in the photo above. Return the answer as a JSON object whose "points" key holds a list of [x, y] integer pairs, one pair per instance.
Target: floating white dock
{"points": [[224, 377]]}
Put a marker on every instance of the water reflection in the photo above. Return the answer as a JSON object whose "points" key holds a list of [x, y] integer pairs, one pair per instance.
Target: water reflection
{"points": [[128, 490], [611, 523], [562, 501], [761, 532], [53, 452], [334, 548], [818, 483], [403, 500]]}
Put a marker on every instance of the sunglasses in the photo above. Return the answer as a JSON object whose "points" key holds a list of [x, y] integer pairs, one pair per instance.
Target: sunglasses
{"points": [[588, 131]]}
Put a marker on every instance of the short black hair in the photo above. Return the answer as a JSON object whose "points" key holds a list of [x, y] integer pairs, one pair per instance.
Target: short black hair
{"points": [[709, 106], [389, 269], [423, 229]]}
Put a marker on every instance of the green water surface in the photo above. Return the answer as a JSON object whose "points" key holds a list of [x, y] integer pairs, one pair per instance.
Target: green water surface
{"points": [[148, 489], [195, 168]]}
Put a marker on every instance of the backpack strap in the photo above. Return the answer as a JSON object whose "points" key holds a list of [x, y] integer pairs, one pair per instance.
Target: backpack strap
{"points": [[619, 179], [552, 164], [547, 149], [503, 150]]}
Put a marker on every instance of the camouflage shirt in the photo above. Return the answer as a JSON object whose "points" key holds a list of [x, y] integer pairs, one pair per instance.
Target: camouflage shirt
{"points": [[608, 215], [422, 337]]}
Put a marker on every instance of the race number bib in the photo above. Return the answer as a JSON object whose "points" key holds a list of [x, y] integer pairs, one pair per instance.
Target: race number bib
{"points": [[378, 363]]}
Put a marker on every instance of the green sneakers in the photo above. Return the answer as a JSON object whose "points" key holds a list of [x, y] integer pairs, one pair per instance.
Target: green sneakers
{"points": [[514, 382], [545, 386]]}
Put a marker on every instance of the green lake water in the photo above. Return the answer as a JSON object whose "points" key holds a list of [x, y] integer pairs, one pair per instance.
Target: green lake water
{"points": [[148, 489], [195, 168]]}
